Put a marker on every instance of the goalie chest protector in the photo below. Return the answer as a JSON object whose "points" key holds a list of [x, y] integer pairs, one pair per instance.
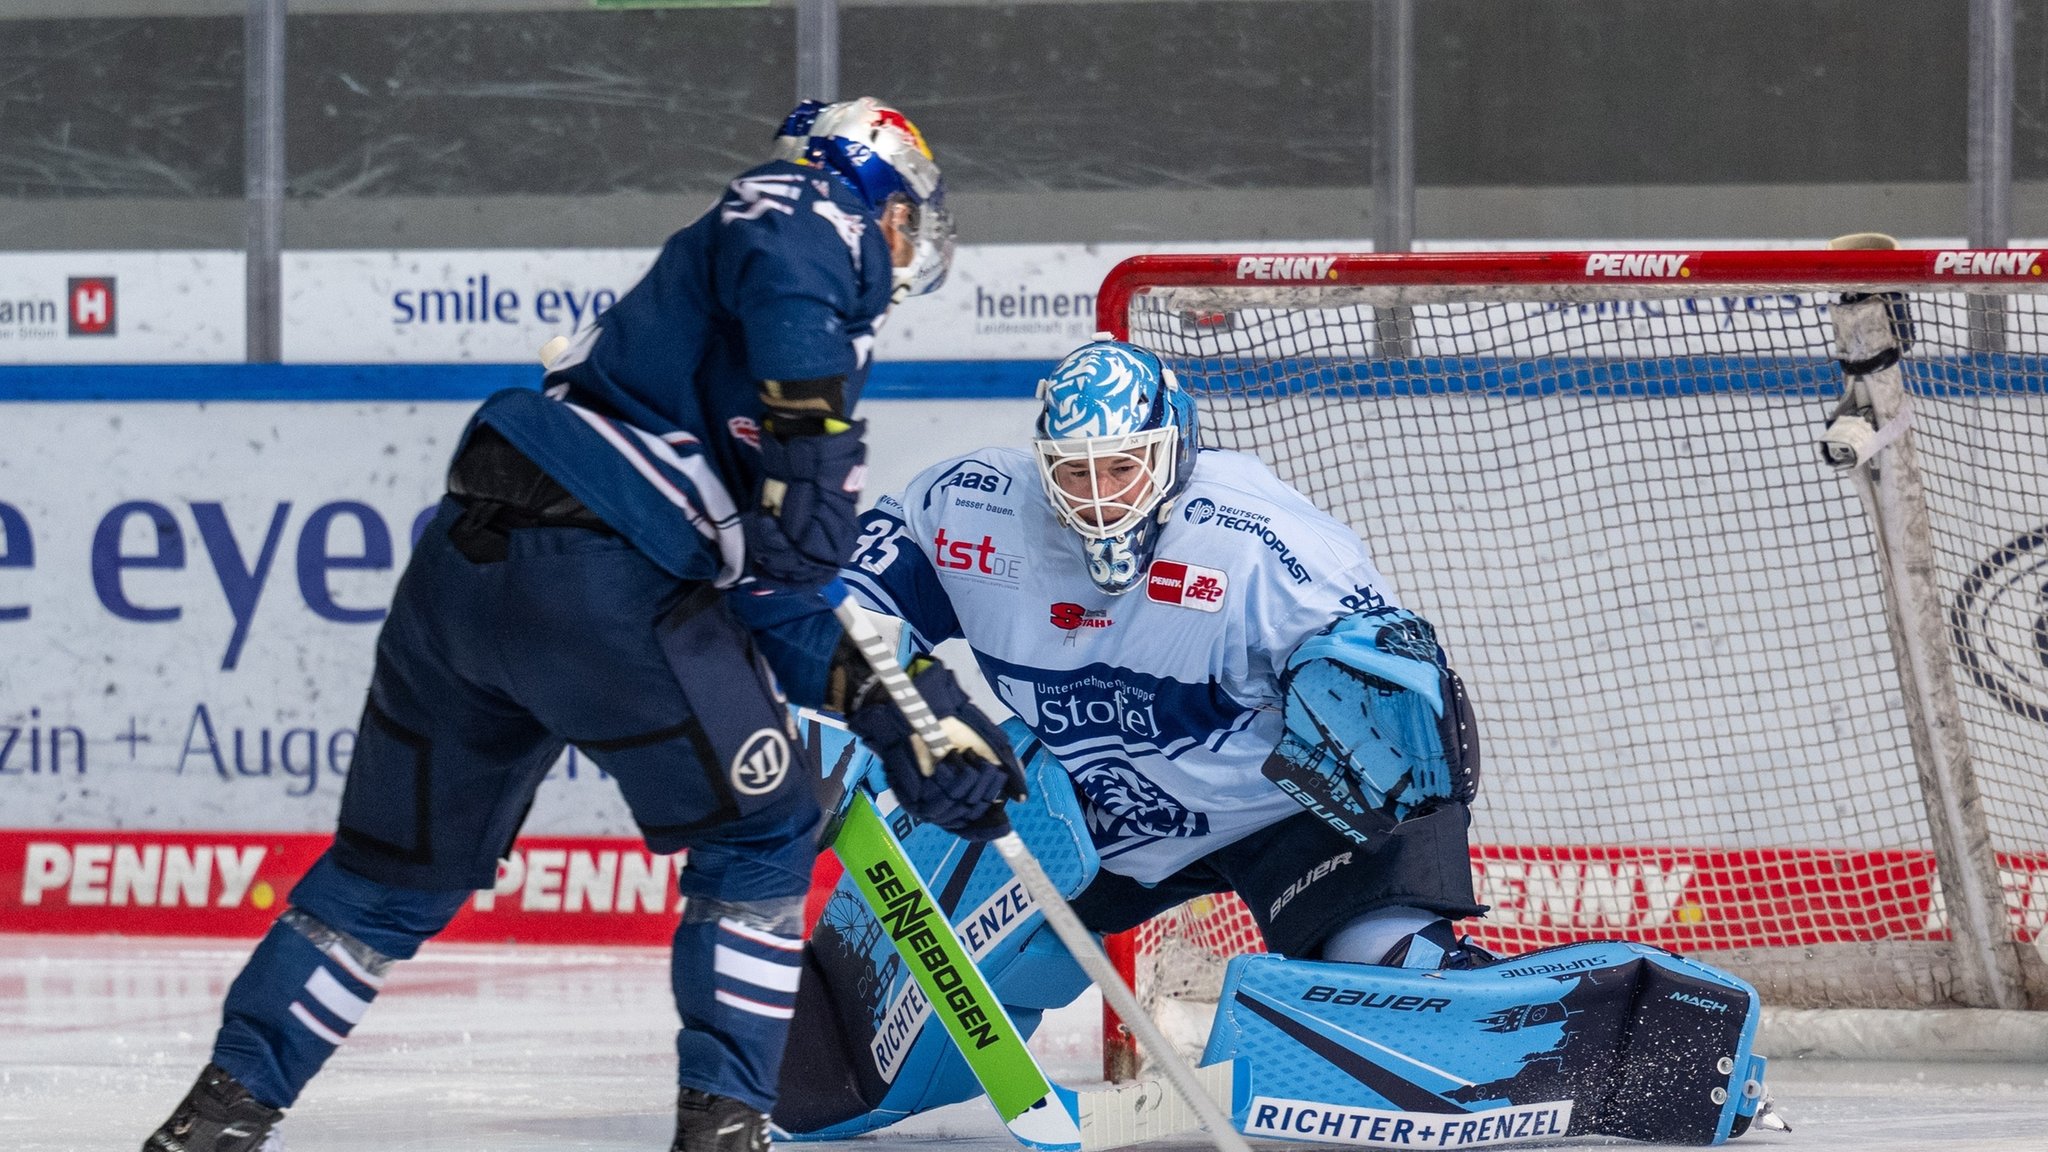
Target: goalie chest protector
{"points": [[1612, 1038]]}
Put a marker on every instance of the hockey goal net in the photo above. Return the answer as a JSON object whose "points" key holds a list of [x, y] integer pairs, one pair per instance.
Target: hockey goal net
{"points": [[1734, 701]]}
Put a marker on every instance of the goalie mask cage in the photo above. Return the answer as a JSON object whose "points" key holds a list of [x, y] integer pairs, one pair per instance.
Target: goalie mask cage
{"points": [[1733, 700]]}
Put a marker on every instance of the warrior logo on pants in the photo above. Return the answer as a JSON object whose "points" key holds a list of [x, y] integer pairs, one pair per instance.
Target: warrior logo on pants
{"points": [[761, 763]]}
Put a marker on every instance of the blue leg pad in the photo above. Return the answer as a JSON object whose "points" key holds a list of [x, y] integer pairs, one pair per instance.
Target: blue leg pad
{"points": [[1612, 1038]]}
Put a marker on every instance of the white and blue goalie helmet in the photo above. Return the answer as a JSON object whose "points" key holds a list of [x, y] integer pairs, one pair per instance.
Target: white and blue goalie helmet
{"points": [[882, 156], [1116, 443]]}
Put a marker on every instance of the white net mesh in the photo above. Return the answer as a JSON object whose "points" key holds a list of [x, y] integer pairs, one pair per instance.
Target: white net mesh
{"points": [[1666, 607]]}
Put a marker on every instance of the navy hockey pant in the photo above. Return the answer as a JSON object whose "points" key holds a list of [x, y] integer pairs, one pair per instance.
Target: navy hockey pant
{"points": [[484, 671]]}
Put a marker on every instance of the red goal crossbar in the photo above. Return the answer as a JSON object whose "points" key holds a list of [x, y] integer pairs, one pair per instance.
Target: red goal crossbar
{"points": [[1695, 266]]}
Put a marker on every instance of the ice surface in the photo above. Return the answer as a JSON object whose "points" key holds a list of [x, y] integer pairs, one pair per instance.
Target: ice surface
{"points": [[501, 1048]]}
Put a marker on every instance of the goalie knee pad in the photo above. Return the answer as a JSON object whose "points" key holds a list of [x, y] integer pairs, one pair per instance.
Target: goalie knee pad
{"points": [[1611, 1038]]}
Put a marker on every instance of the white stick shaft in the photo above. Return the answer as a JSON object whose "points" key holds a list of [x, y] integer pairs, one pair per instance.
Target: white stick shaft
{"points": [[1087, 952], [1080, 942], [902, 692]]}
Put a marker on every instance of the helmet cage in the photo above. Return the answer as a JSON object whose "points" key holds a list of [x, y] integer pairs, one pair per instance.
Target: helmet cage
{"points": [[930, 230], [1088, 496]]}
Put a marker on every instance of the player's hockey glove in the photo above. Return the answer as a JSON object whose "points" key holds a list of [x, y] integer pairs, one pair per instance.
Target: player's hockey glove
{"points": [[965, 792], [1377, 724], [813, 464]]}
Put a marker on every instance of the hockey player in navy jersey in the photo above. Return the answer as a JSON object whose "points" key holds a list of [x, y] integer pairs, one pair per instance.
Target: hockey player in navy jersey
{"points": [[595, 576]]}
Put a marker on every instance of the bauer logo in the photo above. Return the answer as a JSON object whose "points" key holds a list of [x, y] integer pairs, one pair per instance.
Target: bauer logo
{"points": [[1287, 268], [91, 305], [2000, 625], [1641, 265], [761, 763], [1969, 263]]}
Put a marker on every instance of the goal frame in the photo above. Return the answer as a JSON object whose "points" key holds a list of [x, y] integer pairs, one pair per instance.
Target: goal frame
{"points": [[1989, 968]]}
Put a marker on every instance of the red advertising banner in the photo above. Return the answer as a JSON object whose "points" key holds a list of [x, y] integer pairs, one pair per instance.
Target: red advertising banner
{"points": [[590, 890], [1691, 900], [551, 890]]}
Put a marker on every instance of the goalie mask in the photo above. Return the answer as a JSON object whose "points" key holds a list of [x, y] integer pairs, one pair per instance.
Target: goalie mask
{"points": [[1116, 441], [882, 156]]}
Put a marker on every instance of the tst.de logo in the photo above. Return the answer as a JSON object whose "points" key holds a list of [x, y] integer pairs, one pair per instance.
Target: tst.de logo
{"points": [[91, 304]]}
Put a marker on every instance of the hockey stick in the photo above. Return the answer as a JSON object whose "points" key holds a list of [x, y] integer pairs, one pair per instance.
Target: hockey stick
{"points": [[1037, 1111], [1080, 942]]}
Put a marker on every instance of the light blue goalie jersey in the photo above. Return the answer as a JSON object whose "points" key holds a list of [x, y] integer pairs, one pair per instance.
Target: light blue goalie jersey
{"points": [[1162, 703]]}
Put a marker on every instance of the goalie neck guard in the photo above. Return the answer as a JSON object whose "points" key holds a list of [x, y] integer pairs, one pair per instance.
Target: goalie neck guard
{"points": [[1116, 444]]}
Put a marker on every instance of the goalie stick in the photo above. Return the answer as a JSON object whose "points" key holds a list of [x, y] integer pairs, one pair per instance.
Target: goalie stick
{"points": [[1038, 1112], [1080, 942]]}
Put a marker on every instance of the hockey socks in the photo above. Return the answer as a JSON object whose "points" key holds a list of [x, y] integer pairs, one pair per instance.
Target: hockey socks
{"points": [[735, 969], [302, 992], [313, 976]]}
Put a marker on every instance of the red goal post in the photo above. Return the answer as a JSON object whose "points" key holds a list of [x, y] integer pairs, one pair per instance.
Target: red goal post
{"points": [[1722, 711]]}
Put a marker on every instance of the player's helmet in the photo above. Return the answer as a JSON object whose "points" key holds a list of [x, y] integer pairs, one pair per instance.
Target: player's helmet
{"points": [[1116, 443], [881, 155]]}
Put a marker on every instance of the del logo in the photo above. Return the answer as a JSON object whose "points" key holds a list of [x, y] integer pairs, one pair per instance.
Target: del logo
{"points": [[977, 559], [2013, 263], [92, 305], [745, 431], [1072, 616], [1287, 268], [1188, 585], [1645, 264], [761, 763]]}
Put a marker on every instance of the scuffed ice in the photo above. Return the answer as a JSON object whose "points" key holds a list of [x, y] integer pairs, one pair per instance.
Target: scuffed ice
{"points": [[508, 1049]]}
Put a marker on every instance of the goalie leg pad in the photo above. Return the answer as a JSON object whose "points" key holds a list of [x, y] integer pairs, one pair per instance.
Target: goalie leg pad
{"points": [[1609, 1038], [872, 1053]]}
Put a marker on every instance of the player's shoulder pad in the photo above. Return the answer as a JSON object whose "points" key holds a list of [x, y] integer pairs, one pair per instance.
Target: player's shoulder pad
{"points": [[782, 197], [1233, 487], [996, 475]]}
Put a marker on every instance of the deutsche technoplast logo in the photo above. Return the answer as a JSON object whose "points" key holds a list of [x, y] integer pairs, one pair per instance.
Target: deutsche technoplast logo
{"points": [[1200, 510], [2000, 625]]}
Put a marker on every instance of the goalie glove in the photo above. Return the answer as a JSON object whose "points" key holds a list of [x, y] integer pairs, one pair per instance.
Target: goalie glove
{"points": [[1377, 725]]}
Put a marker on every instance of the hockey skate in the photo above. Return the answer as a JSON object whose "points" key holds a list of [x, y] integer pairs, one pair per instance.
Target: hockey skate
{"points": [[708, 1123], [218, 1115]]}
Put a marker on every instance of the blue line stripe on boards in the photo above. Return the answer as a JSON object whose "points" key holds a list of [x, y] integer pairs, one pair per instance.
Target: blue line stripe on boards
{"points": [[908, 380], [1975, 375]]}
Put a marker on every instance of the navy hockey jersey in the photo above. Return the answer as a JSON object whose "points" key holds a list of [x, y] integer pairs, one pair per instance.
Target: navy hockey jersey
{"points": [[651, 417]]}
